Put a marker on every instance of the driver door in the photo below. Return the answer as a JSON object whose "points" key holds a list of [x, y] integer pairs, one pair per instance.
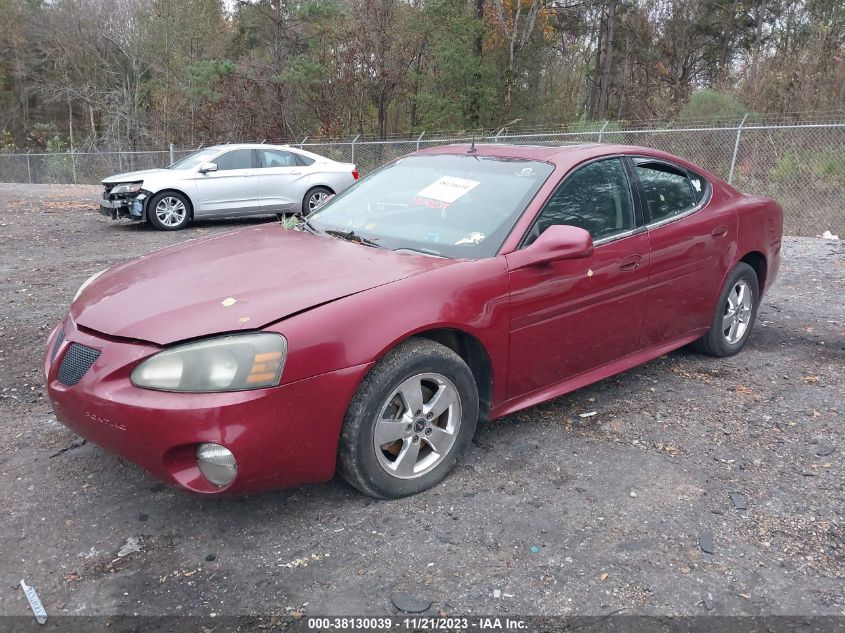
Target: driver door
{"points": [[571, 316]]}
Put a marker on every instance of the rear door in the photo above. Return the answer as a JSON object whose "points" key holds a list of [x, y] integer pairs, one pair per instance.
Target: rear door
{"points": [[233, 188], [569, 317], [691, 244], [278, 179]]}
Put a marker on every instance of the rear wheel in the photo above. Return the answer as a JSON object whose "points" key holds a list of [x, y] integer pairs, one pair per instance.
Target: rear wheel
{"points": [[169, 211], [315, 198], [735, 314], [410, 421]]}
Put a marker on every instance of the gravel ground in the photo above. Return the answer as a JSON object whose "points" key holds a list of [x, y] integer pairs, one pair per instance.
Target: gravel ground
{"points": [[550, 513]]}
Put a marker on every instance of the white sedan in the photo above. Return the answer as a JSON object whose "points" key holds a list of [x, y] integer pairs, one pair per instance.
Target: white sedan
{"points": [[227, 181]]}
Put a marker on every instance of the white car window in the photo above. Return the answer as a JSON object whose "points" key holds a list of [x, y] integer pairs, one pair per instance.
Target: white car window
{"points": [[236, 159], [276, 158]]}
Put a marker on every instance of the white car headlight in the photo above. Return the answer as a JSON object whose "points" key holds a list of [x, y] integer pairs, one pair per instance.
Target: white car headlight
{"points": [[127, 187], [225, 363], [87, 283]]}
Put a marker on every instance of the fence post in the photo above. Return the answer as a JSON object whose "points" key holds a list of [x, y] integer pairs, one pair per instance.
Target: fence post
{"points": [[172, 156], [73, 166], [28, 168], [603, 128], [353, 148], [736, 149], [419, 139], [303, 142]]}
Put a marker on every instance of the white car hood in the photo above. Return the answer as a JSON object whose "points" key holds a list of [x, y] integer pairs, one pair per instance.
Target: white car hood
{"points": [[134, 176]]}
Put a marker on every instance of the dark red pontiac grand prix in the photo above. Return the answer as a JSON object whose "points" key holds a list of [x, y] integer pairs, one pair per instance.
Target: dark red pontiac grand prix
{"points": [[453, 285]]}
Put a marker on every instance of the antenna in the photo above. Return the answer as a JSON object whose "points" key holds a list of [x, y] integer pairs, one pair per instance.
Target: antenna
{"points": [[472, 149]]}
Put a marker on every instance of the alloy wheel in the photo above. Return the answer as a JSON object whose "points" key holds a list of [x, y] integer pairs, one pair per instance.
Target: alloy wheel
{"points": [[417, 425], [170, 211], [317, 200], [737, 312]]}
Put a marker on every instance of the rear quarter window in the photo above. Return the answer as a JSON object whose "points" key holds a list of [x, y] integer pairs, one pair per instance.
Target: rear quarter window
{"points": [[667, 189], [700, 186]]}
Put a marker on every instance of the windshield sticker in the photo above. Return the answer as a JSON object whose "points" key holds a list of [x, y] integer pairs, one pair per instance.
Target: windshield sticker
{"points": [[696, 184], [473, 238], [431, 204], [525, 172], [448, 189]]}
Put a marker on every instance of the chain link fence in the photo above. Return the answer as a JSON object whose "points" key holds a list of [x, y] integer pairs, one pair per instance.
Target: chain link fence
{"points": [[800, 165]]}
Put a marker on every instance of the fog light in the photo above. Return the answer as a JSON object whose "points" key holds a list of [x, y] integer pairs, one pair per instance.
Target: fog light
{"points": [[217, 464]]}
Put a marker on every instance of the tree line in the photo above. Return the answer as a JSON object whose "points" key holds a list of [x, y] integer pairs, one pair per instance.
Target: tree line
{"points": [[142, 73]]}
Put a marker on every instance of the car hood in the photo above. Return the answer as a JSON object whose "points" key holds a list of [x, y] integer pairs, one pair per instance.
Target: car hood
{"points": [[242, 280], [134, 176]]}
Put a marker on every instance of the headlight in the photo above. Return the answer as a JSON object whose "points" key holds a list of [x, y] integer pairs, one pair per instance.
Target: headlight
{"points": [[87, 283], [225, 363], [127, 187]]}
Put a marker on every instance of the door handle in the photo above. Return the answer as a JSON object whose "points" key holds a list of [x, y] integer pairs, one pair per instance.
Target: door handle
{"points": [[719, 231], [294, 173], [631, 262]]}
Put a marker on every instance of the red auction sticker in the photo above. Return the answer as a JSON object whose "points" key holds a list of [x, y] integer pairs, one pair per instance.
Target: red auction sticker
{"points": [[428, 202]]}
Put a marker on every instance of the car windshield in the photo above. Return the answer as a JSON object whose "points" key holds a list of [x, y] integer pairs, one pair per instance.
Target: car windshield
{"points": [[449, 205], [194, 160]]}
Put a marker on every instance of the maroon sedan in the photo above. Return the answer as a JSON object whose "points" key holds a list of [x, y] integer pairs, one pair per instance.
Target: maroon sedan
{"points": [[453, 285]]}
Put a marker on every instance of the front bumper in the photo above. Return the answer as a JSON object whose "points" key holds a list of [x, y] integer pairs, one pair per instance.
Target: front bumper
{"points": [[281, 436], [128, 207]]}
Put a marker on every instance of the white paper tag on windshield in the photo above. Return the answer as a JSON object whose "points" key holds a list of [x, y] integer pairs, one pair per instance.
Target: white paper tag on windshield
{"points": [[448, 189]]}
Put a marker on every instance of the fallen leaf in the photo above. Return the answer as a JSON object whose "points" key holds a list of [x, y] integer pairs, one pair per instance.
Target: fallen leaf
{"points": [[603, 577], [228, 301]]}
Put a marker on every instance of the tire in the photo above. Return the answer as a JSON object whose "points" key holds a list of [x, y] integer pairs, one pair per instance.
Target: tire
{"points": [[409, 463], [169, 211], [314, 199], [730, 328]]}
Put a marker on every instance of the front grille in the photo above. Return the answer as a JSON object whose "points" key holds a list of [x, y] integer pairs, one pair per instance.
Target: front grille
{"points": [[59, 339], [77, 360]]}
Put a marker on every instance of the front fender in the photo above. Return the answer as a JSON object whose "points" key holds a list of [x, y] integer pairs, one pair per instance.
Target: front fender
{"points": [[186, 188], [471, 296]]}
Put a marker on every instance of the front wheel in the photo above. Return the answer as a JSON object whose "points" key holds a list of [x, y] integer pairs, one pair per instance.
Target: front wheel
{"points": [[410, 421], [169, 211], [735, 314]]}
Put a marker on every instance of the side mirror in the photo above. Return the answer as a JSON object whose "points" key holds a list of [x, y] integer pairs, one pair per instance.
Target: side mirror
{"points": [[208, 167], [557, 242]]}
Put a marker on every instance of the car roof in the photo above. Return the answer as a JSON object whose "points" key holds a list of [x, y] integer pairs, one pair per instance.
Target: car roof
{"points": [[561, 155], [251, 146]]}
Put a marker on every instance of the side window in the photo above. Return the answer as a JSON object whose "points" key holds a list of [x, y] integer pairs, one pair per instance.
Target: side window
{"points": [[303, 160], [236, 159], [668, 191], [596, 198], [276, 158]]}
